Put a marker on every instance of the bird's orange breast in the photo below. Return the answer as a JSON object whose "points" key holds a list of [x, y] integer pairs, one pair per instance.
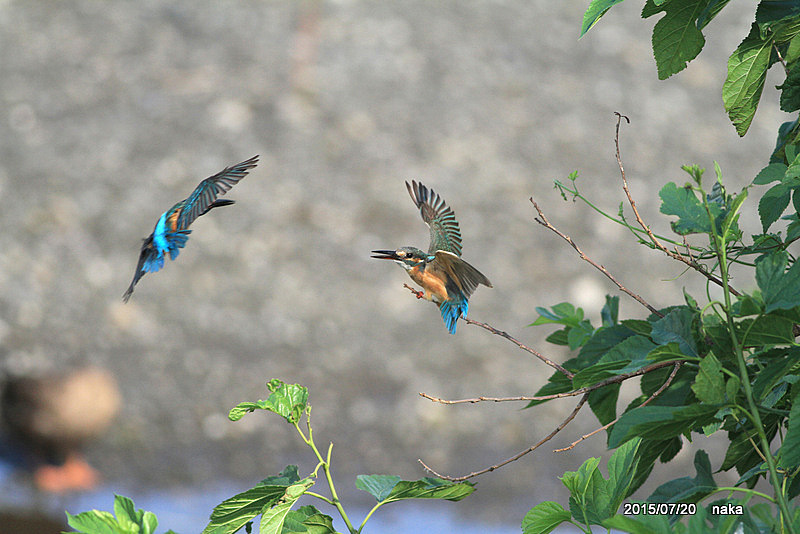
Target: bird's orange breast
{"points": [[431, 281]]}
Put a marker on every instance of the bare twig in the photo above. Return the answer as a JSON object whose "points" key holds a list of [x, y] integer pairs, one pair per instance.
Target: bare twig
{"points": [[674, 255], [658, 392], [517, 456], [611, 380], [501, 333], [542, 219], [506, 335]]}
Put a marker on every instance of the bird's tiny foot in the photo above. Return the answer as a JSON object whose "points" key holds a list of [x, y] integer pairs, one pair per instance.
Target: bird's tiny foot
{"points": [[418, 294]]}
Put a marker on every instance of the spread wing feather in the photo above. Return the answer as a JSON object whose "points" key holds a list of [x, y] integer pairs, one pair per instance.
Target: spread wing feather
{"points": [[464, 275], [445, 233], [209, 189]]}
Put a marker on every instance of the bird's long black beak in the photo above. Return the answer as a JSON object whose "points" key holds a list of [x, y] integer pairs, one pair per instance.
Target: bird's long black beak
{"points": [[384, 254]]}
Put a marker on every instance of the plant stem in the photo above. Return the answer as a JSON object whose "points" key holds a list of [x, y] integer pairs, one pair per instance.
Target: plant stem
{"points": [[326, 468], [748, 390]]}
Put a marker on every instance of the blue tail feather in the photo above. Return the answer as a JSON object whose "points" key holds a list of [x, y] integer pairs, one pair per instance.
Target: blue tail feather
{"points": [[175, 241], [451, 310]]}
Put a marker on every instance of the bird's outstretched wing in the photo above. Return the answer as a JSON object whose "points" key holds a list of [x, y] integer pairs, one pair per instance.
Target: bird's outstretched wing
{"points": [[464, 275], [148, 251], [445, 233], [209, 189]]}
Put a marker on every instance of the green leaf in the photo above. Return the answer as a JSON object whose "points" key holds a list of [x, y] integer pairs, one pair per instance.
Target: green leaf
{"points": [[747, 71], [287, 400], [593, 498], [790, 95], [776, 364], [773, 204], [780, 289], [596, 9], [603, 402], [390, 488], [610, 312], [676, 326], [709, 385], [430, 488], [659, 422], [231, 514], [544, 517], [379, 486], [290, 475], [644, 524], [95, 522], [308, 520], [790, 448], [621, 469], [272, 518], [692, 216], [563, 313], [676, 39], [687, 489], [773, 172], [765, 330]]}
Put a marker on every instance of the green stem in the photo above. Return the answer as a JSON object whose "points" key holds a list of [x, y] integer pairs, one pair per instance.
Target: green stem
{"points": [[743, 490], [326, 468], [748, 390]]}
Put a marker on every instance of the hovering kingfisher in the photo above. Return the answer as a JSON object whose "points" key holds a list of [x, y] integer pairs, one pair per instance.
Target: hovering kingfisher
{"points": [[447, 280], [170, 234]]}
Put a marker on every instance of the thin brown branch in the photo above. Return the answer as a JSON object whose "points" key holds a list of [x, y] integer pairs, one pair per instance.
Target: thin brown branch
{"points": [[658, 392], [517, 456], [526, 348], [542, 219], [506, 335], [611, 380], [674, 255]]}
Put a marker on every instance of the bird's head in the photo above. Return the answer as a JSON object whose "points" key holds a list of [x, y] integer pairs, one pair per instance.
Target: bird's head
{"points": [[408, 257]]}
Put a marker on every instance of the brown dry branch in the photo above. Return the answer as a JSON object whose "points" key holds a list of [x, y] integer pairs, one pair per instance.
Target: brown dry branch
{"points": [[611, 380], [501, 333], [658, 392], [517, 456], [658, 244], [542, 219]]}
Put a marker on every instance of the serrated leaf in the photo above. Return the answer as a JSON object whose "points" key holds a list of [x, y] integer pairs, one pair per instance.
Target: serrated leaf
{"points": [[610, 312], [773, 204], [94, 522], [596, 9], [773, 172], [308, 520], [287, 400], [430, 488], [659, 422], [621, 469], [676, 39], [790, 448], [603, 402], [290, 475], [231, 514], [379, 486], [709, 384], [747, 72], [680, 201], [790, 90], [676, 326], [780, 289], [645, 524], [272, 518], [544, 517], [687, 489]]}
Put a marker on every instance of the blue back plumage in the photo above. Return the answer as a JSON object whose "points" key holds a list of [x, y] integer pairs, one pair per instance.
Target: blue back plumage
{"points": [[453, 309]]}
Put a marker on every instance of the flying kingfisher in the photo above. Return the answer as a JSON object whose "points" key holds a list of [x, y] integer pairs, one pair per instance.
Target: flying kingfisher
{"points": [[171, 231], [447, 280]]}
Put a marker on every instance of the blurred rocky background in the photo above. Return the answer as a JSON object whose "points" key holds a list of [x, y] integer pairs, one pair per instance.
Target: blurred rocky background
{"points": [[112, 111]]}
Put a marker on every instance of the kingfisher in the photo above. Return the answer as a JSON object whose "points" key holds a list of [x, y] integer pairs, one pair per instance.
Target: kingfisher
{"points": [[447, 280], [171, 231]]}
